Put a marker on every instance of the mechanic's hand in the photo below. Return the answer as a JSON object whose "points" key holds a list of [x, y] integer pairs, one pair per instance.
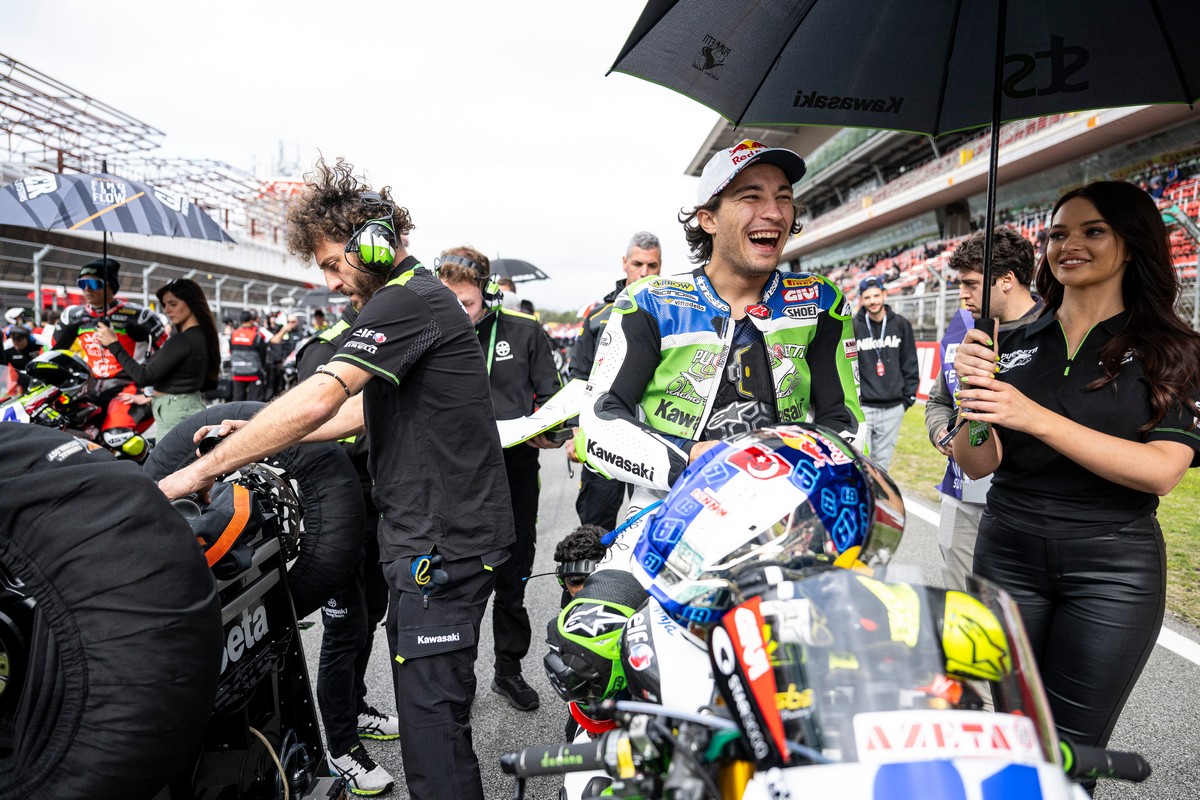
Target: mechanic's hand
{"points": [[226, 427], [571, 454], [543, 442], [700, 448], [104, 334], [946, 450], [186, 481]]}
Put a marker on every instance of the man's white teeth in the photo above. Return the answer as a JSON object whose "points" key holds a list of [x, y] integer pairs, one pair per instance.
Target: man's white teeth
{"points": [[765, 237]]}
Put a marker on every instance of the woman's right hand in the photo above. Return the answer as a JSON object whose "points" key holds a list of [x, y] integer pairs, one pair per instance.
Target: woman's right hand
{"points": [[976, 356]]}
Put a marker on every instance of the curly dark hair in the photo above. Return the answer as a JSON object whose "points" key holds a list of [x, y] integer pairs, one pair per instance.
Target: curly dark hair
{"points": [[1166, 345], [1011, 252], [192, 295], [331, 208], [700, 241], [580, 544]]}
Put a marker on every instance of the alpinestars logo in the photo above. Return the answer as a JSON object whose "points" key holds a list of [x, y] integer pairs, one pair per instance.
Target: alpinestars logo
{"points": [[711, 58], [593, 619], [1017, 358], [632, 467], [833, 102]]}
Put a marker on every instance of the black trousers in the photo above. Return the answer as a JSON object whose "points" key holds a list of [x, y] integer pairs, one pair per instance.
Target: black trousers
{"points": [[1092, 608], [510, 620], [350, 619], [599, 499], [249, 390], [433, 672]]}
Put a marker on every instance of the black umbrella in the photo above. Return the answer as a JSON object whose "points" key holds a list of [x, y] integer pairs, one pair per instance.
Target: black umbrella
{"points": [[931, 67], [519, 271]]}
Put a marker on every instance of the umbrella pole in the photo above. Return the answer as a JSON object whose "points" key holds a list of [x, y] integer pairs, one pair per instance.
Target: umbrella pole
{"points": [[985, 304]]}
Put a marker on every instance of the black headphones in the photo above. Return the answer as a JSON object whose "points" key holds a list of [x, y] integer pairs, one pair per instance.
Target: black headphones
{"points": [[491, 290], [372, 248]]}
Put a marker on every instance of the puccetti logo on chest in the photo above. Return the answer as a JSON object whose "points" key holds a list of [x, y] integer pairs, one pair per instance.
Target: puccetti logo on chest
{"points": [[1017, 358], [244, 634]]}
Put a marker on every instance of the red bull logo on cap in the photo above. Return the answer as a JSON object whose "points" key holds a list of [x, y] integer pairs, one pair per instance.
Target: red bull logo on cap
{"points": [[744, 149]]}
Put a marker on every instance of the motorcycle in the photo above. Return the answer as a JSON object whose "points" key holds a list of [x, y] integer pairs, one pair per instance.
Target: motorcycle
{"points": [[764, 661], [57, 400]]}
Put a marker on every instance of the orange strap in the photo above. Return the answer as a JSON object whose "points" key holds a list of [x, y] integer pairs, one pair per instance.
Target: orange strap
{"points": [[241, 513]]}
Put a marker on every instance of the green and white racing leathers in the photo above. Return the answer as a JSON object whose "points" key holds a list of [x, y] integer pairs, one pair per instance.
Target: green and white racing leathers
{"points": [[667, 368]]}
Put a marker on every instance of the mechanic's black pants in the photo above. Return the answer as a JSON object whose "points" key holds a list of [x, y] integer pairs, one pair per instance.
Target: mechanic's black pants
{"points": [[1092, 607], [350, 619], [599, 499], [433, 670], [510, 620]]}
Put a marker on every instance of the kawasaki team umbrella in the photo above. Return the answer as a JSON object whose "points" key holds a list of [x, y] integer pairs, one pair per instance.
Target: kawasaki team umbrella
{"points": [[928, 67]]}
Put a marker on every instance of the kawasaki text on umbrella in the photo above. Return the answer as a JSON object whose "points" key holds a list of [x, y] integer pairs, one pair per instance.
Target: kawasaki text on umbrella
{"points": [[1060, 69]]}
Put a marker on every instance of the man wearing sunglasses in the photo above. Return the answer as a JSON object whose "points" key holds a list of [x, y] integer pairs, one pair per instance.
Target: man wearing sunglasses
{"points": [[139, 330], [411, 375]]}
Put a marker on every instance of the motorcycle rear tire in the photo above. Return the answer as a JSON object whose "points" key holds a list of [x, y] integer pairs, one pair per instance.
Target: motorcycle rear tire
{"points": [[123, 650], [329, 490]]}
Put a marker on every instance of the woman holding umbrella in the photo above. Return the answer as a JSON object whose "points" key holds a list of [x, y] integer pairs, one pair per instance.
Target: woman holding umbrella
{"points": [[1094, 411], [187, 364]]}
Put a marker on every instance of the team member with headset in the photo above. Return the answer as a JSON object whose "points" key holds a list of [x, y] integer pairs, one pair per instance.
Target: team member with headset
{"points": [[523, 376], [411, 374]]}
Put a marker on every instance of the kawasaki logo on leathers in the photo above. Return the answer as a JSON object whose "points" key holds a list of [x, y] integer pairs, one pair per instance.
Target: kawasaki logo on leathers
{"points": [[667, 410], [633, 468]]}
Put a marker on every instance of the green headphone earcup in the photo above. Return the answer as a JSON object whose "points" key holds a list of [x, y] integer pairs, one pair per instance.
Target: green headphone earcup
{"points": [[375, 244]]}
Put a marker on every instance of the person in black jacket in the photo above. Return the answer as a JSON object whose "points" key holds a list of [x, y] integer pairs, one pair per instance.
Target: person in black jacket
{"points": [[599, 500], [523, 376], [248, 354], [22, 351], [186, 365], [887, 361]]}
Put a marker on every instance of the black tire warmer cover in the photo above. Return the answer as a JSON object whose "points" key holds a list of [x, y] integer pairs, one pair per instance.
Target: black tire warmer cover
{"points": [[126, 642], [329, 490]]}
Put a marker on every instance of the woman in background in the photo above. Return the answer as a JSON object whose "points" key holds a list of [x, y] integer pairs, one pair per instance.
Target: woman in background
{"points": [[1093, 409], [188, 362]]}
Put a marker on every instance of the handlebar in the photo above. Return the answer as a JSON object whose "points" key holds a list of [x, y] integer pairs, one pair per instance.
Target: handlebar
{"points": [[558, 759], [1083, 762]]}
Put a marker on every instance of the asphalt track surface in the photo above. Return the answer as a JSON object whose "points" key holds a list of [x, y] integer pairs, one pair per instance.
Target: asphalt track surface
{"points": [[1161, 720]]}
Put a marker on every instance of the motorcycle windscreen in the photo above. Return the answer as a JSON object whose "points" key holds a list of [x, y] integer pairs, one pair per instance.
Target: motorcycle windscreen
{"points": [[868, 671]]}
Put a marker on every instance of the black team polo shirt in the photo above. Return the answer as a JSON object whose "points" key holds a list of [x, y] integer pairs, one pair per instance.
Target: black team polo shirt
{"points": [[1042, 491], [434, 450]]}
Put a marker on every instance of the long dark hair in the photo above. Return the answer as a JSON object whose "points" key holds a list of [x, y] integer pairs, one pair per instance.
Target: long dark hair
{"points": [[1166, 346], [191, 295]]}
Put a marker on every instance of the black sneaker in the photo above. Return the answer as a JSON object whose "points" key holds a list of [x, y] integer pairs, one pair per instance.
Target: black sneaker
{"points": [[519, 694]]}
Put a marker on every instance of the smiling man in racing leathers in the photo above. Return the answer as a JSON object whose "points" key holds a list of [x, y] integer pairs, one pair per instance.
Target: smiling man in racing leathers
{"points": [[733, 346]]}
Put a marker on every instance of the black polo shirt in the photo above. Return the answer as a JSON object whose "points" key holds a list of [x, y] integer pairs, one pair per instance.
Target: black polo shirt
{"points": [[434, 450], [519, 361], [1037, 488]]}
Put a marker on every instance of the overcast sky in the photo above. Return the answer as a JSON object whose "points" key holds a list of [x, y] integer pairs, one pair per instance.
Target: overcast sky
{"points": [[493, 122]]}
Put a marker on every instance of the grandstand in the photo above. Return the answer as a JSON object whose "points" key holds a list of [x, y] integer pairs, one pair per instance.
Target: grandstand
{"points": [[46, 126], [895, 204]]}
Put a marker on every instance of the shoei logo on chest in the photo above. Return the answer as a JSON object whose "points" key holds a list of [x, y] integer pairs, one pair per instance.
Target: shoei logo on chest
{"points": [[244, 633]]}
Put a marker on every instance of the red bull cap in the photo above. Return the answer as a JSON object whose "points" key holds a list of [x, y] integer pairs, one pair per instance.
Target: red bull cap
{"points": [[724, 166]]}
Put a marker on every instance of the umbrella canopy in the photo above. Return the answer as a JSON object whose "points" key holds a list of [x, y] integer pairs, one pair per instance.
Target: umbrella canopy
{"points": [[520, 271], [927, 67], [103, 202], [931, 67]]}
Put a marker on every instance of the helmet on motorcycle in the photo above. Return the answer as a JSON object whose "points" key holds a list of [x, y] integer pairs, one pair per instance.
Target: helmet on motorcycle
{"points": [[584, 662], [795, 496]]}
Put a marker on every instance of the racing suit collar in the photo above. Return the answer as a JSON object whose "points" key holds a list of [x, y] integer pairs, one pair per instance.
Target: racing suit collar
{"points": [[710, 293]]}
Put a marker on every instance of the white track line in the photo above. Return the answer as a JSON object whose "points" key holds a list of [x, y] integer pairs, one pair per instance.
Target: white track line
{"points": [[1177, 644]]}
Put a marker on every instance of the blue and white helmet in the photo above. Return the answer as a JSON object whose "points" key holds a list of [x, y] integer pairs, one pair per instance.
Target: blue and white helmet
{"points": [[794, 495]]}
